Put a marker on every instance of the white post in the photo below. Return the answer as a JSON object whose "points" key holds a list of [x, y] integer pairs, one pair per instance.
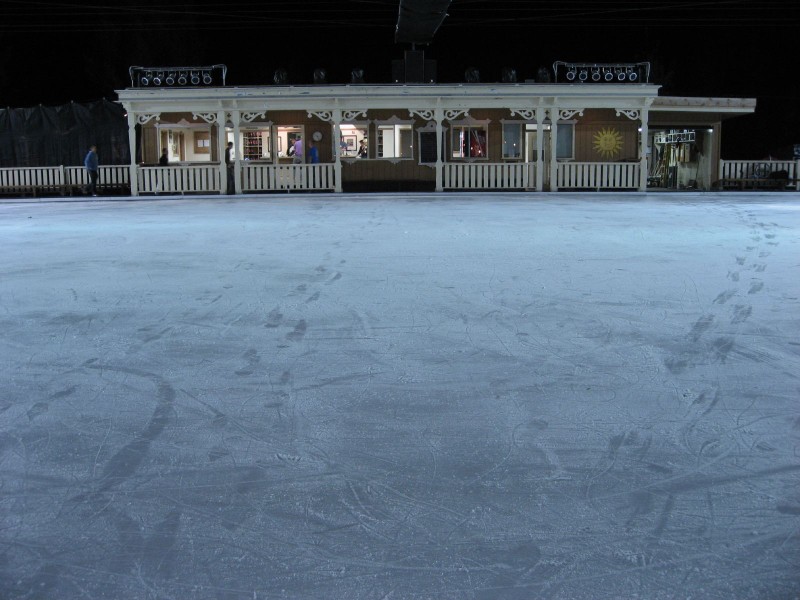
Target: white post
{"points": [[237, 143], [222, 143], [540, 112], [132, 146], [439, 116], [643, 151], [337, 150], [796, 175], [553, 149]]}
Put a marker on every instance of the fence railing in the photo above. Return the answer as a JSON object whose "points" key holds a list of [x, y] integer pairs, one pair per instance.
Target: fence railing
{"points": [[110, 176], [268, 178], [598, 175], [488, 176], [759, 169], [183, 179], [61, 179]]}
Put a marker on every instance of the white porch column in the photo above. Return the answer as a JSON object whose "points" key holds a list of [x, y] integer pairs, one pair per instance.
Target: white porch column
{"points": [[553, 148], [237, 143], [643, 151], [221, 144], [337, 150], [438, 115], [132, 145], [540, 113]]}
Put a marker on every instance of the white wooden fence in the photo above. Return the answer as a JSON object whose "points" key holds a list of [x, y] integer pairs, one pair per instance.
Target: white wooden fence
{"points": [[598, 175], [178, 179], [268, 178], [61, 179], [758, 169], [488, 176]]}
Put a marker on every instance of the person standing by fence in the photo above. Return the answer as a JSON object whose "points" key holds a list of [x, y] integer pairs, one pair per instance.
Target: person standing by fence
{"points": [[93, 169]]}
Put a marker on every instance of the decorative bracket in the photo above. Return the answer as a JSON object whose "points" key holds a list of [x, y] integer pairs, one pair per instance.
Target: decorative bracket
{"points": [[526, 113], [567, 113], [349, 115], [144, 118], [425, 114], [324, 115], [632, 114], [209, 118], [249, 117], [452, 114]]}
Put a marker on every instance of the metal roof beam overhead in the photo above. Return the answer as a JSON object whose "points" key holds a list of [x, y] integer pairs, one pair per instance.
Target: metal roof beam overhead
{"points": [[418, 20]]}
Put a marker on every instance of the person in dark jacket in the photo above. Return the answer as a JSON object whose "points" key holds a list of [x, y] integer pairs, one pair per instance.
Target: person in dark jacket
{"points": [[313, 153], [93, 169], [231, 185], [164, 160]]}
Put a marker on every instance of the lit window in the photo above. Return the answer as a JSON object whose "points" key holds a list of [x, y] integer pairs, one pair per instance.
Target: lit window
{"points": [[469, 142], [395, 141]]}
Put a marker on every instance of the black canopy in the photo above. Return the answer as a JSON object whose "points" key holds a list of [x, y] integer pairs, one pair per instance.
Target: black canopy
{"points": [[43, 136]]}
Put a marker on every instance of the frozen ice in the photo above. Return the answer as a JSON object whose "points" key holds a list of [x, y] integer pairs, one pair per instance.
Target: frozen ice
{"points": [[406, 396]]}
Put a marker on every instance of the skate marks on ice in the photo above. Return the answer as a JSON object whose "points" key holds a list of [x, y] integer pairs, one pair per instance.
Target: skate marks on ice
{"points": [[502, 453], [719, 348]]}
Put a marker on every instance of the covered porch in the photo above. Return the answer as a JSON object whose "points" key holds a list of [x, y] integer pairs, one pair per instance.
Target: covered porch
{"points": [[435, 137]]}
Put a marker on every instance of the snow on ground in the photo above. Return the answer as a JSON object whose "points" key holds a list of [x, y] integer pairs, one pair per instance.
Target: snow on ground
{"points": [[463, 396]]}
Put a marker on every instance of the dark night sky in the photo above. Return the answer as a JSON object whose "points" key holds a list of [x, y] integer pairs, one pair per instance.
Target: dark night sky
{"points": [[61, 51]]}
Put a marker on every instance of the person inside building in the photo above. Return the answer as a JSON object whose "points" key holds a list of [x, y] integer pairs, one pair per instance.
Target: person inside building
{"points": [[298, 151], [313, 153], [229, 168], [362, 149]]}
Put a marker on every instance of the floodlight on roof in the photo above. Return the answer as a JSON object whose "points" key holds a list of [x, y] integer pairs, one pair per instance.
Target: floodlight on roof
{"points": [[147, 76]]}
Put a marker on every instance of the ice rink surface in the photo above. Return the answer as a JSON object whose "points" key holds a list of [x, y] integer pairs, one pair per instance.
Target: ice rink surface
{"points": [[423, 396]]}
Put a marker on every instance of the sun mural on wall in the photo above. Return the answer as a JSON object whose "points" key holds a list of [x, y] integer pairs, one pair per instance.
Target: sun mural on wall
{"points": [[608, 142]]}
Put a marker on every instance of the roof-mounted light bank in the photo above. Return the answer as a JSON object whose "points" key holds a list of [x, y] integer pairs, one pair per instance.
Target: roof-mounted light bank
{"points": [[178, 76], [568, 72]]}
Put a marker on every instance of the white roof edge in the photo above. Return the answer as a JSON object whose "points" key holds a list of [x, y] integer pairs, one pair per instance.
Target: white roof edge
{"points": [[349, 91], [705, 104]]}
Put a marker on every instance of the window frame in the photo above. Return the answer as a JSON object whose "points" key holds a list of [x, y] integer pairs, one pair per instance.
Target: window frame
{"points": [[455, 126], [394, 122], [521, 157]]}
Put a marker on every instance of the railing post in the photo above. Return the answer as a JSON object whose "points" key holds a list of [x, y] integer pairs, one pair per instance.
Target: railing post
{"points": [[438, 115], [539, 173], [643, 115], [554, 149], [132, 148]]}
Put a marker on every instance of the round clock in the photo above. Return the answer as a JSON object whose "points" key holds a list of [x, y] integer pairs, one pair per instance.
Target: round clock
{"points": [[317, 136]]}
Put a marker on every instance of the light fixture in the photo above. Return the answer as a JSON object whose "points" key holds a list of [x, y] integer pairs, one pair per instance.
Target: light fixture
{"points": [[174, 75], [280, 76], [320, 76], [567, 72], [357, 75], [509, 75]]}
